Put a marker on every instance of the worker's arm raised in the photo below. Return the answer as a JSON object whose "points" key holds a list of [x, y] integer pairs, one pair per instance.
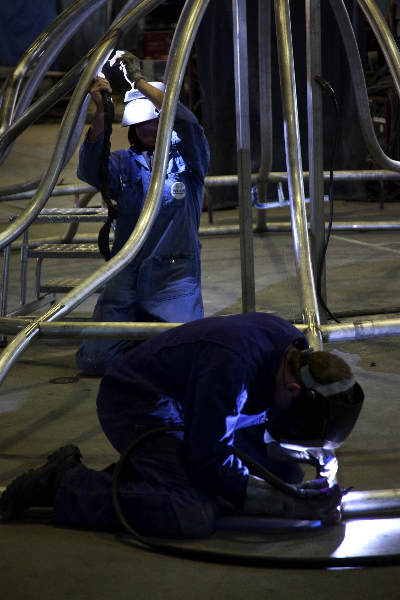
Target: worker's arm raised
{"points": [[99, 85], [130, 66]]}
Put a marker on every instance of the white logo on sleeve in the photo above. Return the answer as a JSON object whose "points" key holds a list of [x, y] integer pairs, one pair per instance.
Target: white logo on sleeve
{"points": [[178, 190]]}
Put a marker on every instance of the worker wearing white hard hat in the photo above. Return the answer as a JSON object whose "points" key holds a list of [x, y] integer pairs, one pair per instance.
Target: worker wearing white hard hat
{"points": [[163, 282], [138, 107]]}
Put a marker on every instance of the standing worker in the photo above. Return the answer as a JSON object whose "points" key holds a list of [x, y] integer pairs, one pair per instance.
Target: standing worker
{"points": [[229, 383], [163, 282]]}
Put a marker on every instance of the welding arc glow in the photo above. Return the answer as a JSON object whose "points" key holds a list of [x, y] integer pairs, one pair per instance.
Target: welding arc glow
{"points": [[367, 537]]}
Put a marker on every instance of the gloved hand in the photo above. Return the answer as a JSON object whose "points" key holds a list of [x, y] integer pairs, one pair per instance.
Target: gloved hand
{"points": [[129, 65], [326, 463], [316, 501], [325, 500], [313, 487]]}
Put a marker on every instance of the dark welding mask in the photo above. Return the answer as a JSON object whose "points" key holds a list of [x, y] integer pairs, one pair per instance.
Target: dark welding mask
{"points": [[320, 416]]}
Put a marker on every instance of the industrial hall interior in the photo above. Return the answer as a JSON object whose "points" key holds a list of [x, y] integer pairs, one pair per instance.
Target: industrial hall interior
{"points": [[200, 314]]}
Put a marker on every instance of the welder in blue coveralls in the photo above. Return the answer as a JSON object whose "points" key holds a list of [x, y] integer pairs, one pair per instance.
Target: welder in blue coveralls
{"points": [[230, 382], [163, 282]]}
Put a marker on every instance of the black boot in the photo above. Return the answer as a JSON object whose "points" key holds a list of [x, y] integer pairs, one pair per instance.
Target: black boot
{"points": [[38, 487]]}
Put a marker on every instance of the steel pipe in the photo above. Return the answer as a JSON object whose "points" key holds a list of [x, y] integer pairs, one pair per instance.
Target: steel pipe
{"points": [[49, 98], [243, 154], [355, 330], [273, 227], [358, 80], [384, 38], [89, 329], [315, 142], [98, 57], [308, 299], [265, 104], [42, 104], [360, 330], [7, 193], [371, 503], [58, 190], [38, 49], [67, 127], [6, 272]]}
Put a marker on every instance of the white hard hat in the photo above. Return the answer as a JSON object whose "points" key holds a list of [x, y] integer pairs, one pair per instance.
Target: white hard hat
{"points": [[138, 108]]}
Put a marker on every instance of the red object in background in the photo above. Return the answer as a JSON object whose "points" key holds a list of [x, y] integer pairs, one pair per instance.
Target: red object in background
{"points": [[156, 43]]}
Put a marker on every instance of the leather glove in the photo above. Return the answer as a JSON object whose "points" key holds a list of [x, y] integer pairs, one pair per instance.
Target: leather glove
{"points": [[316, 501], [129, 64]]}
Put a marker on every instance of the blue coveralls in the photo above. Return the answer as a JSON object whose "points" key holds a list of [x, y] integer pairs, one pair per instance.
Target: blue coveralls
{"points": [[216, 378], [163, 282]]}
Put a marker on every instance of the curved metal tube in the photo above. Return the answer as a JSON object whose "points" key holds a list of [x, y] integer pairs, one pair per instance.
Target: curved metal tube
{"points": [[98, 57], [37, 50], [82, 10], [49, 98], [60, 151], [384, 38], [18, 188], [358, 79], [308, 299], [189, 21], [40, 106]]}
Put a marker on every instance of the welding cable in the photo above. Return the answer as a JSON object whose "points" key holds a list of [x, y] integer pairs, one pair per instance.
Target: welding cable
{"points": [[183, 548], [326, 87], [104, 233]]}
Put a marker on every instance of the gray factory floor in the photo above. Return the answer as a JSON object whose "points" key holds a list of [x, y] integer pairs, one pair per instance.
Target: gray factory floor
{"points": [[46, 402]]}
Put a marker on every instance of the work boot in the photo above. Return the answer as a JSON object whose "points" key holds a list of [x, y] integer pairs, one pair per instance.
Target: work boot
{"points": [[38, 487]]}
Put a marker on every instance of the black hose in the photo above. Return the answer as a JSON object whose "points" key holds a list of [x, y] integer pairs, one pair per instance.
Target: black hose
{"points": [[321, 261], [104, 233]]}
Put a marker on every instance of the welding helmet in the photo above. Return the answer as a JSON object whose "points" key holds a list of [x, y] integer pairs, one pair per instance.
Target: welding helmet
{"points": [[321, 415], [138, 108]]}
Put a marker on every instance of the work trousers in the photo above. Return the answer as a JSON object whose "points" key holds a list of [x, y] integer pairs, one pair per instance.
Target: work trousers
{"points": [[157, 496]]}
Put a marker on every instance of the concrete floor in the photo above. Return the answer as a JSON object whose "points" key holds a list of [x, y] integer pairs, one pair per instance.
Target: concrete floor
{"points": [[46, 402]]}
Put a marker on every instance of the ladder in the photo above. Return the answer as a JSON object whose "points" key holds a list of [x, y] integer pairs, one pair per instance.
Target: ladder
{"points": [[53, 250]]}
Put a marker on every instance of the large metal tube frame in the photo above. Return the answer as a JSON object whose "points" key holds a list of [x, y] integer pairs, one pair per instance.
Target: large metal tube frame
{"points": [[186, 30], [294, 177]]}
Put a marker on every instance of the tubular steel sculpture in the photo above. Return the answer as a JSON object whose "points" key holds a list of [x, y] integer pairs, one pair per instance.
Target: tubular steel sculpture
{"points": [[16, 115]]}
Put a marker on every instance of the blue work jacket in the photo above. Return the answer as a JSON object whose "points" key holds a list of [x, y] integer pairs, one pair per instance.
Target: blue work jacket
{"points": [[214, 376], [167, 268]]}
